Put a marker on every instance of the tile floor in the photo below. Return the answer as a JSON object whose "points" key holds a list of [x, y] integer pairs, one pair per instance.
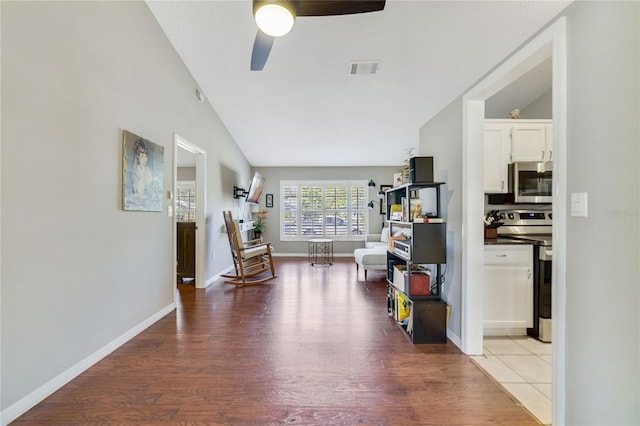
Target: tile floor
{"points": [[522, 365]]}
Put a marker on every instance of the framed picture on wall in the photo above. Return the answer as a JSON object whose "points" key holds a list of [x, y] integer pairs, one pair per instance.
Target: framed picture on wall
{"points": [[142, 173], [383, 201], [269, 200]]}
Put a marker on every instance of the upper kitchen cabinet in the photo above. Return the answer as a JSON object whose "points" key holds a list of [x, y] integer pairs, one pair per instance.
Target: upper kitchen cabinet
{"points": [[510, 141], [497, 154], [549, 141], [531, 140]]}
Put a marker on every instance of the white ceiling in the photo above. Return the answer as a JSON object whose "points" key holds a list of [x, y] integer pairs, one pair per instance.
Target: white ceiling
{"points": [[304, 109]]}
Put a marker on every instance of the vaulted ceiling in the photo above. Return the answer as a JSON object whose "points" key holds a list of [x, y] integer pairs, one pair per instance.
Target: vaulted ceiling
{"points": [[306, 109]]}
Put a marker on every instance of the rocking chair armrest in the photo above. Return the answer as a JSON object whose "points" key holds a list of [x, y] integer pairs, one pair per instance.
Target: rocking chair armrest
{"points": [[266, 244], [251, 243]]}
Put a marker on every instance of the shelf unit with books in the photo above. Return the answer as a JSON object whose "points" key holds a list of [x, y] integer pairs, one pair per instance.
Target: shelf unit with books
{"points": [[414, 292]]}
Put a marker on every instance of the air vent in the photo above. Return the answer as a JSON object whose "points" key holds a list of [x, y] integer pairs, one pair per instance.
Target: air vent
{"points": [[363, 68]]}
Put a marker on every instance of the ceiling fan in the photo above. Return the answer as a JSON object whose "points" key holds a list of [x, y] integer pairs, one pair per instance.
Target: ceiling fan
{"points": [[275, 18]]}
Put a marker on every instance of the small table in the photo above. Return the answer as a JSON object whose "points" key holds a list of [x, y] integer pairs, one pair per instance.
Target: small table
{"points": [[320, 251]]}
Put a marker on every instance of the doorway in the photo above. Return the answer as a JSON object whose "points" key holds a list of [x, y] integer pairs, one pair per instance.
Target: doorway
{"points": [[549, 43], [187, 154]]}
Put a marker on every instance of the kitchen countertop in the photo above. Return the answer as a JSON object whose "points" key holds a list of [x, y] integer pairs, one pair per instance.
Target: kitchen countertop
{"points": [[505, 241]]}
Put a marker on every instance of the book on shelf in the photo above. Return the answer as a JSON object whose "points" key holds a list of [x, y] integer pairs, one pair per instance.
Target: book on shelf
{"points": [[428, 220], [403, 307], [405, 209]]}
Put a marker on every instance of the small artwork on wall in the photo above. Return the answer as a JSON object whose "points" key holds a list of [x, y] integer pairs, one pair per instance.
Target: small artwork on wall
{"points": [[383, 201], [269, 200], [142, 174]]}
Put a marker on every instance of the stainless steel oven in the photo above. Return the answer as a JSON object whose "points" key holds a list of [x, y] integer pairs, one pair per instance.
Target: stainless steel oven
{"points": [[531, 182], [535, 226], [542, 294]]}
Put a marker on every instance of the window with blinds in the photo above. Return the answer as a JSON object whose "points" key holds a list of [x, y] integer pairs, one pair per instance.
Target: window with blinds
{"points": [[323, 209], [185, 201]]}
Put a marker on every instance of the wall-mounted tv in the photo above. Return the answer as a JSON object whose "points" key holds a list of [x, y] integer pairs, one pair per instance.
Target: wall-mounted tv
{"points": [[255, 190]]}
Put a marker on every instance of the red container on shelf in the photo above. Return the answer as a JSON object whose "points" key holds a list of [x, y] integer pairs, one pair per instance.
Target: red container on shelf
{"points": [[420, 283], [420, 280]]}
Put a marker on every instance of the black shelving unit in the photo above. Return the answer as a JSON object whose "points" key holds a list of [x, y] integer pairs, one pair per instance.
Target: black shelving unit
{"points": [[425, 321]]}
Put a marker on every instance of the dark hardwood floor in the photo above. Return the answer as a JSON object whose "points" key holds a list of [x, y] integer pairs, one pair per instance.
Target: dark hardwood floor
{"points": [[313, 347]]}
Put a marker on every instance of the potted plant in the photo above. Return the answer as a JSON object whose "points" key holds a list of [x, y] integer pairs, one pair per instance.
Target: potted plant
{"points": [[492, 221], [260, 223]]}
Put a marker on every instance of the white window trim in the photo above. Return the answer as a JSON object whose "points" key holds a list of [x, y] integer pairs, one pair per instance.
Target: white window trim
{"points": [[325, 183]]}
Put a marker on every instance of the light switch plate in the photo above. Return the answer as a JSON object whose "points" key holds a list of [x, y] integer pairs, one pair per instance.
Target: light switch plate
{"points": [[579, 204]]}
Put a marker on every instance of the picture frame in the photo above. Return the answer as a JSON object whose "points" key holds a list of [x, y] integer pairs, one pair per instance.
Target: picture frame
{"points": [[269, 200], [142, 174], [383, 201]]}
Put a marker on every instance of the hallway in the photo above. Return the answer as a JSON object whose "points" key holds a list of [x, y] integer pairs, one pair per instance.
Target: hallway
{"points": [[315, 346]]}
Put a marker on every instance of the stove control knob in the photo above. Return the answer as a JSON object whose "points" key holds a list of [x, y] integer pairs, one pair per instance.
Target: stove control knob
{"points": [[550, 215], [510, 216]]}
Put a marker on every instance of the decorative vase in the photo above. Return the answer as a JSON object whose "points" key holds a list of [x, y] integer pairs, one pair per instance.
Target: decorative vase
{"points": [[490, 233], [257, 234]]}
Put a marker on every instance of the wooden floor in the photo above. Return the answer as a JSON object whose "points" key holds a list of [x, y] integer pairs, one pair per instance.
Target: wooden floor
{"points": [[313, 347]]}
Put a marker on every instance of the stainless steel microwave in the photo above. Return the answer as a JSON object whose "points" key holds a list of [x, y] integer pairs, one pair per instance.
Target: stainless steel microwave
{"points": [[531, 182]]}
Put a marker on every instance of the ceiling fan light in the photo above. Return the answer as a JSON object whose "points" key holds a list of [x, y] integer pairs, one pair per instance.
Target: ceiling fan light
{"points": [[274, 19]]}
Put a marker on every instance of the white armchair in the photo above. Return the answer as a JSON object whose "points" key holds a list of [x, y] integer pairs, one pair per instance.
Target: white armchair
{"points": [[374, 253], [377, 240]]}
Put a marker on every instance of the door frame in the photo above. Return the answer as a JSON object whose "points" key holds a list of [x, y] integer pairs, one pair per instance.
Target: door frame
{"points": [[549, 43], [201, 206]]}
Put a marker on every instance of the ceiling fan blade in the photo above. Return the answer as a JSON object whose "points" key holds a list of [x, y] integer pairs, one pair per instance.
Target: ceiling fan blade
{"points": [[336, 7], [261, 49]]}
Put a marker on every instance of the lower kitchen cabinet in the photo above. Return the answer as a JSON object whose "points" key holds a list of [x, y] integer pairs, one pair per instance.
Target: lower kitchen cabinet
{"points": [[508, 286]]}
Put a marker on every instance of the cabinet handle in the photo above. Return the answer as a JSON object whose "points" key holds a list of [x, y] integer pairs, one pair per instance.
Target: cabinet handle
{"points": [[501, 255], [550, 154], [528, 273], [501, 185], [543, 155]]}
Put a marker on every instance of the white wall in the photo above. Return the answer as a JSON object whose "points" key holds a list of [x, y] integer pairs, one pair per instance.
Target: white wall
{"points": [[602, 273], [77, 270]]}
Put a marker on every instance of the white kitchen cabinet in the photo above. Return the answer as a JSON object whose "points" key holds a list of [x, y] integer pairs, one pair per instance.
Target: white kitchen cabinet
{"points": [[529, 140], [549, 142], [508, 286], [497, 152], [508, 141]]}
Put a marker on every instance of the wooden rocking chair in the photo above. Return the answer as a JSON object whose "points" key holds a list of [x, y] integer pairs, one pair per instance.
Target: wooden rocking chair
{"points": [[249, 258]]}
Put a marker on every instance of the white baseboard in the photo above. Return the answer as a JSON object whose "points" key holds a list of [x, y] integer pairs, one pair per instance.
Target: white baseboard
{"points": [[455, 339], [14, 411], [218, 276], [504, 331]]}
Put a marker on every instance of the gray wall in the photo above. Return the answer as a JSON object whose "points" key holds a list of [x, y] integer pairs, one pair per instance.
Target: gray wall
{"points": [[603, 356], [540, 108], [186, 173], [273, 176], [77, 270], [602, 368], [441, 138]]}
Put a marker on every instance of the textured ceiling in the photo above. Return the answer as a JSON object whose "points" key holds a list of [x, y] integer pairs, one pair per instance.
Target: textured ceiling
{"points": [[304, 109]]}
